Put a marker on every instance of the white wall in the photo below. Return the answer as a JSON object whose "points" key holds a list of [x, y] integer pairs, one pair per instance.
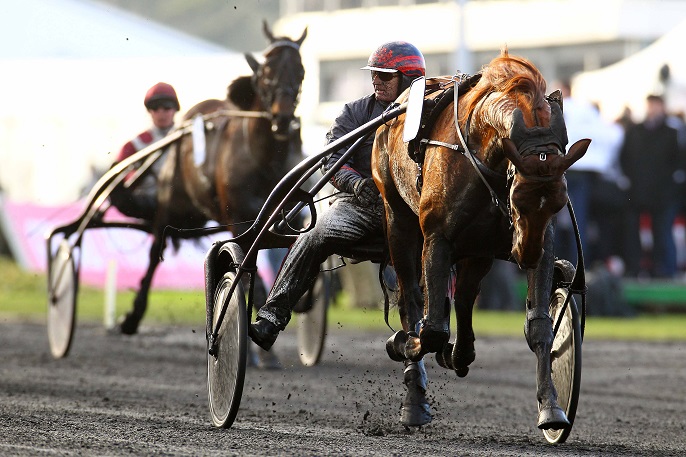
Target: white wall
{"points": [[628, 82]]}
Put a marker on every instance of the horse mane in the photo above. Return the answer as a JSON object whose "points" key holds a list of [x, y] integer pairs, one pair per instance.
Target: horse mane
{"points": [[241, 92], [505, 75]]}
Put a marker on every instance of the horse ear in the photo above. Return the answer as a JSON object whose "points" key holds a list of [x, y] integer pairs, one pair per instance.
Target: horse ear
{"points": [[518, 129], [576, 151], [511, 152], [557, 124], [254, 64], [302, 37], [267, 32], [556, 96]]}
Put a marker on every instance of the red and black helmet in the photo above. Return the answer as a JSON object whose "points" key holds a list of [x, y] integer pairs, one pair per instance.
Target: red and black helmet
{"points": [[161, 92], [397, 56]]}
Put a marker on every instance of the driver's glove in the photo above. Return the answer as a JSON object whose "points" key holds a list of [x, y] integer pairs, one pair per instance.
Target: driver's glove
{"points": [[366, 192]]}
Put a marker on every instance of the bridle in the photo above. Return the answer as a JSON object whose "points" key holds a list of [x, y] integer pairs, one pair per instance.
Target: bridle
{"points": [[543, 151], [269, 89]]}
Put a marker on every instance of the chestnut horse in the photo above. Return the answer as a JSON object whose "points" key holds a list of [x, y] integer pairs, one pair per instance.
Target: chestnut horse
{"points": [[251, 140], [490, 191]]}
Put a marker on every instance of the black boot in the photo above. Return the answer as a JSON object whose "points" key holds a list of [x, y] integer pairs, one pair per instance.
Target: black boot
{"points": [[263, 333]]}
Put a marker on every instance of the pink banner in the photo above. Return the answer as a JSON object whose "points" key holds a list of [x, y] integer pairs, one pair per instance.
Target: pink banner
{"points": [[27, 226]]}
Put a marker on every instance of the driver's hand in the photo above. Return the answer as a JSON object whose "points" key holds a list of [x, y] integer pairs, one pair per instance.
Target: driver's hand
{"points": [[366, 192]]}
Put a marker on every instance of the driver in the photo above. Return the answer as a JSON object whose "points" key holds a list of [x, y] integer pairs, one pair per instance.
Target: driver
{"points": [[140, 200], [356, 213]]}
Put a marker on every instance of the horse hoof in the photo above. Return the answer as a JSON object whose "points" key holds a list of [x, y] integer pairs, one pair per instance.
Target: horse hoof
{"points": [[415, 415], [414, 351], [461, 360], [129, 326], [552, 418], [461, 372], [433, 340], [395, 346], [444, 357]]}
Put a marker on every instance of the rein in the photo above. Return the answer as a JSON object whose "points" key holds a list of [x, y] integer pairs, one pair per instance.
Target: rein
{"points": [[464, 149], [478, 166], [472, 159], [231, 113]]}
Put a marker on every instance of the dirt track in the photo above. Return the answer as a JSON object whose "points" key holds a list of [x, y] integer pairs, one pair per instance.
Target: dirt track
{"points": [[147, 395]]}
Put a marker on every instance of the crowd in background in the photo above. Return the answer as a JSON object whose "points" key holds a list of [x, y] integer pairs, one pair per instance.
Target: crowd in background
{"points": [[628, 195], [627, 191]]}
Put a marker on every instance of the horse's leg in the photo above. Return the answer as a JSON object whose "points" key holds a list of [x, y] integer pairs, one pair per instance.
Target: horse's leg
{"points": [[129, 325], [403, 238], [436, 258], [539, 336], [415, 410], [470, 272]]}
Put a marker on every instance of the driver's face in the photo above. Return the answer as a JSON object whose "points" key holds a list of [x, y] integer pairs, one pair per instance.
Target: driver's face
{"points": [[386, 91]]}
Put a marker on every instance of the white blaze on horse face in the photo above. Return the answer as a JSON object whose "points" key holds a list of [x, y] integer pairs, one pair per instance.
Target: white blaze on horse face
{"points": [[541, 204]]}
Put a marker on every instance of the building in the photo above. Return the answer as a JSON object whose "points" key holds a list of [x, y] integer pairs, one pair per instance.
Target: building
{"points": [[562, 37]]}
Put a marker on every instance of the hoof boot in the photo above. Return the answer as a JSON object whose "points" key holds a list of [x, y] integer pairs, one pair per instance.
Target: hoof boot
{"points": [[444, 358], [415, 410], [395, 346], [433, 340]]}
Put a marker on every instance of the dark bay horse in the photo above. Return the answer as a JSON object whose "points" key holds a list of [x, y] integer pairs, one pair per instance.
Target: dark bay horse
{"points": [[224, 171], [495, 200]]}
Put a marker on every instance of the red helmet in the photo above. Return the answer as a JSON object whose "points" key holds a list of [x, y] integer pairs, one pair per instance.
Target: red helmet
{"points": [[397, 56], [161, 92]]}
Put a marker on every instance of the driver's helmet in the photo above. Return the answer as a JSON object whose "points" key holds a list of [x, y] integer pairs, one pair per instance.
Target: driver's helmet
{"points": [[397, 56], [161, 93]]}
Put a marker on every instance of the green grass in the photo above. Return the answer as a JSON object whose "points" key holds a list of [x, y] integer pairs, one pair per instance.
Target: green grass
{"points": [[23, 296], [645, 327]]}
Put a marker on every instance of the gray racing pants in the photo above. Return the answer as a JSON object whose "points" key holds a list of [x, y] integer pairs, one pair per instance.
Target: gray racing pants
{"points": [[343, 225]]}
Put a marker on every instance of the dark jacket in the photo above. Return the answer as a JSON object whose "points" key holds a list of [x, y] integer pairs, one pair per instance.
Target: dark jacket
{"points": [[354, 114], [649, 157]]}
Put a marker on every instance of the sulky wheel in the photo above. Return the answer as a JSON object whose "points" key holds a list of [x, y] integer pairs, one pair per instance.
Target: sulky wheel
{"points": [[566, 361], [312, 323], [62, 292], [226, 368]]}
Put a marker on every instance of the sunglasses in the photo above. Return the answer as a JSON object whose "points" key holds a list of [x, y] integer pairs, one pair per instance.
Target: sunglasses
{"points": [[164, 106], [383, 76]]}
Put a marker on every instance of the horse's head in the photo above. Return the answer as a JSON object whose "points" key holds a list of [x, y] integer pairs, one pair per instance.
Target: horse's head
{"points": [[538, 189], [278, 80]]}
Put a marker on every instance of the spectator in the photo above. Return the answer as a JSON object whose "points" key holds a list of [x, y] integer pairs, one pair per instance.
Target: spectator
{"points": [[651, 160], [583, 120], [608, 198]]}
